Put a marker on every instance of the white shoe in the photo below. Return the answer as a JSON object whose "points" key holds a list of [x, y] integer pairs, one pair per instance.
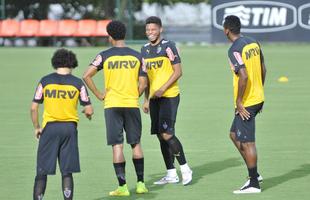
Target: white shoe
{"points": [[187, 177], [248, 190], [167, 179], [259, 178]]}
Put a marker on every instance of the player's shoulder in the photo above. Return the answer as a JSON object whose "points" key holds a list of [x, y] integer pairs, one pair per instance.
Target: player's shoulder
{"points": [[49, 78], [167, 43], [145, 46]]}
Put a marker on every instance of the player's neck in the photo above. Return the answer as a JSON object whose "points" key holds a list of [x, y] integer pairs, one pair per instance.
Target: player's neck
{"points": [[64, 71], [156, 42], [119, 43], [235, 37]]}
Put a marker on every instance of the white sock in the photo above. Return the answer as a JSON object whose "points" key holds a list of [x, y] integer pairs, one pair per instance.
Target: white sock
{"points": [[172, 172], [184, 168]]}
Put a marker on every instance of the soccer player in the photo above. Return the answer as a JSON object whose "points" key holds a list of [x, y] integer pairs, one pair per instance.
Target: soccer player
{"points": [[59, 92], [249, 72], [163, 64], [125, 81]]}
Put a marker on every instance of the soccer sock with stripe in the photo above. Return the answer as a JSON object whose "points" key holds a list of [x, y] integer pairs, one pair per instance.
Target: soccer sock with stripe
{"points": [[67, 186], [177, 149], [120, 172], [139, 167], [39, 187]]}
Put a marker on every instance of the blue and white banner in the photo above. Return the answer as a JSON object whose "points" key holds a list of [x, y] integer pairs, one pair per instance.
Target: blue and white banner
{"points": [[276, 20]]}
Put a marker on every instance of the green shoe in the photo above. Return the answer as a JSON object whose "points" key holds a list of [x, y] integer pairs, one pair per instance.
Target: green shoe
{"points": [[120, 191], [141, 189]]}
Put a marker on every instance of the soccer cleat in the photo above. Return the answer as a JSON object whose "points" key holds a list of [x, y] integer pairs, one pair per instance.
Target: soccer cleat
{"points": [[120, 191], [187, 177], [167, 179], [248, 190], [141, 189], [259, 178]]}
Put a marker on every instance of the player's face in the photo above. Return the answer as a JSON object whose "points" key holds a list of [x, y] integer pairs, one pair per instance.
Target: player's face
{"points": [[153, 32], [226, 32]]}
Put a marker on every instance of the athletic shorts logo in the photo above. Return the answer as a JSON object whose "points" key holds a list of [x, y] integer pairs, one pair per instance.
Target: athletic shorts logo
{"points": [[165, 125], [238, 133], [67, 193]]}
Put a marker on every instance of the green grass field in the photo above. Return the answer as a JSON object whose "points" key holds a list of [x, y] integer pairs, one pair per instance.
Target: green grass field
{"points": [[204, 119]]}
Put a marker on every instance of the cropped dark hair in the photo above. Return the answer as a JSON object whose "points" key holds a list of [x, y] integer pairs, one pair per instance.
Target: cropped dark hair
{"points": [[64, 58], [232, 23], [117, 30], [153, 20]]}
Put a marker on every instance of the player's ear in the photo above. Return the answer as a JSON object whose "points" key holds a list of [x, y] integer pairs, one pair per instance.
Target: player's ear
{"points": [[110, 39], [161, 29]]}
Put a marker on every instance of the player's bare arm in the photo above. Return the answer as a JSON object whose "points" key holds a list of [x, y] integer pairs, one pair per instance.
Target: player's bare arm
{"points": [[243, 78], [142, 84], [264, 71], [87, 77], [146, 103], [34, 112], [177, 73]]}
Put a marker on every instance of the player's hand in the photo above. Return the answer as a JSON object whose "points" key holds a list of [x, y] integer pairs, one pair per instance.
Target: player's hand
{"points": [[88, 111], [244, 114], [146, 107], [159, 93], [101, 96], [88, 115], [37, 133]]}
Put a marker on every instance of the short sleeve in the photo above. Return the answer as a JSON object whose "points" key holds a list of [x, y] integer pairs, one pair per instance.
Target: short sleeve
{"points": [[142, 68], [38, 96], [98, 62], [173, 53], [236, 61], [84, 97]]}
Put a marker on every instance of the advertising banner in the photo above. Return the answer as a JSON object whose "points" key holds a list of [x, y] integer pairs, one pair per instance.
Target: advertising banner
{"points": [[276, 20]]}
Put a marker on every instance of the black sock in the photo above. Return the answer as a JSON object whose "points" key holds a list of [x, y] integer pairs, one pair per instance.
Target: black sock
{"points": [[39, 187], [167, 155], [177, 149], [139, 167], [253, 177], [67, 186], [120, 172]]}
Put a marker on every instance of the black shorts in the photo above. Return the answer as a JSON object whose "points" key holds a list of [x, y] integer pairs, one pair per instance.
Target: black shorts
{"points": [[118, 120], [245, 129], [163, 112], [58, 140]]}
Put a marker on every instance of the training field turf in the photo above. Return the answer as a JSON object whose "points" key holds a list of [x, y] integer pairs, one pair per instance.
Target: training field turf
{"points": [[204, 119]]}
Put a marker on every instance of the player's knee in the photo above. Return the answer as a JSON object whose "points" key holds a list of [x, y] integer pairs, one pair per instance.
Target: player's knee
{"points": [[166, 136], [66, 175]]}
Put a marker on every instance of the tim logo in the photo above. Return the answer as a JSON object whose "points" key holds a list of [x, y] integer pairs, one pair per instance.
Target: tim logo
{"points": [[60, 94], [257, 16], [304, 16]]}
